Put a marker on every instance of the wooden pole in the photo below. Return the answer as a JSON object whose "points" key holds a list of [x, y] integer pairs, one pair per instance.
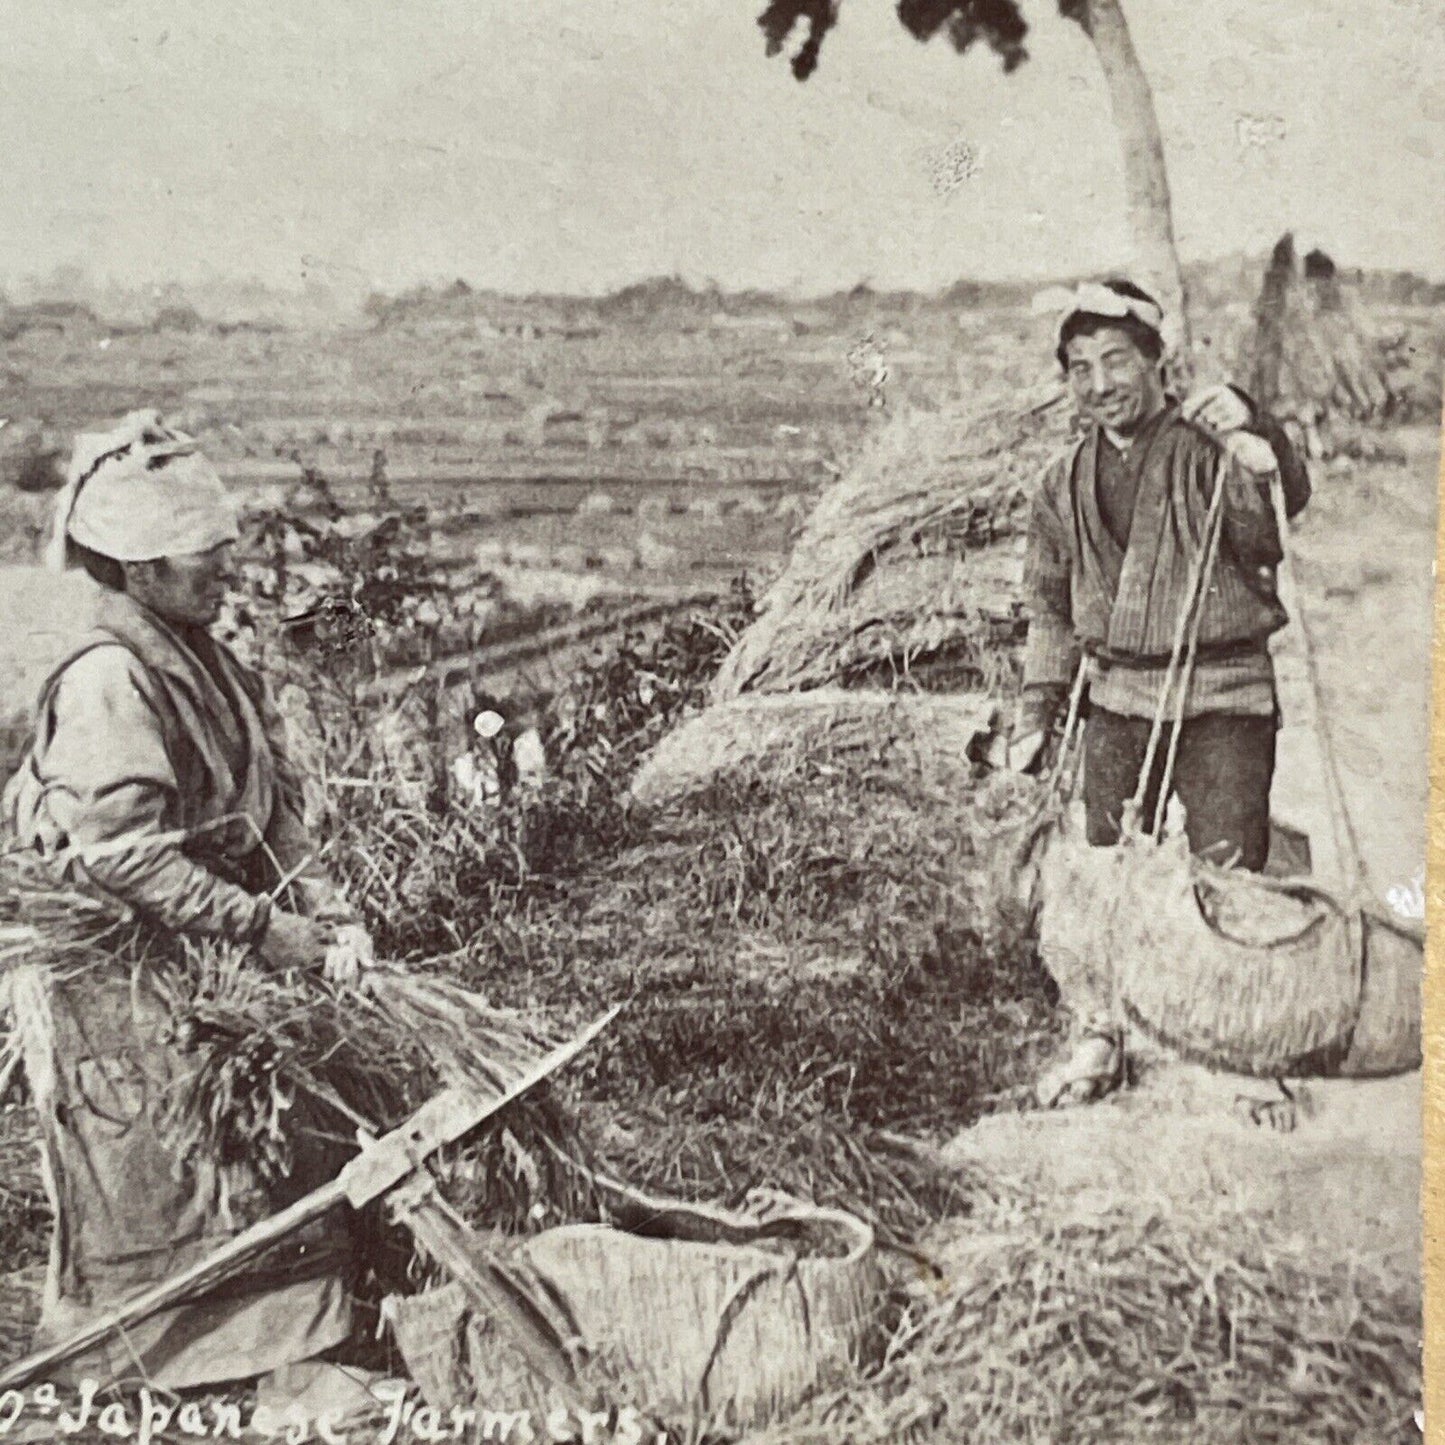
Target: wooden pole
{"points": [[500, 1292], [379, 1167]]}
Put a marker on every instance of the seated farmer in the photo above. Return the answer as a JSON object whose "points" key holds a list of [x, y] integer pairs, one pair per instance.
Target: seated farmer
{"points": [[156, 777], [1114, 538]]}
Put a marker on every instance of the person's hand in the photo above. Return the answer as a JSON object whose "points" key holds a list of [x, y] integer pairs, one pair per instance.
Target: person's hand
{"points": [[350, 954], [292, 941], [1040, 709], [1025, 750], [1251, 452], [1219, 409]]}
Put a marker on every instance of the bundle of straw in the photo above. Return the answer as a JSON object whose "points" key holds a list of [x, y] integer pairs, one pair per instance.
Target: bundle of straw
{"points": [[71, 929], [1310, 358], [916, 552], [252, 1041]]}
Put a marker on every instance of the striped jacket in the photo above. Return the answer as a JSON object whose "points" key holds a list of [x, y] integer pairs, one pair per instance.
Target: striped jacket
{"points": [[1121, 605]]}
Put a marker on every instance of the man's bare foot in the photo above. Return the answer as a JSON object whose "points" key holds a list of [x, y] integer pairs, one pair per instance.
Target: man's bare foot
{"points": [[1093, 1068]]}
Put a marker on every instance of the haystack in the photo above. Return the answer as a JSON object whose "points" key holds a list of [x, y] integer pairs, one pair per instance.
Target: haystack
{"points": [[908, 569], [1310, 358], [937, 739]]}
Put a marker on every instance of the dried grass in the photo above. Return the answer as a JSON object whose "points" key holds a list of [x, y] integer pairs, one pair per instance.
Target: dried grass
{"points": [[19, 1308], [255, 1039], [804, 967], [1311, 356], [871, 1173], [951, 487], [1116, 1328], [935, 739], [24, 1212]]}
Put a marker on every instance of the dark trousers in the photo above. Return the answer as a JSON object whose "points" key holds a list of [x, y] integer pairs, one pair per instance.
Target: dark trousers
{"points": [[1222, 776]]}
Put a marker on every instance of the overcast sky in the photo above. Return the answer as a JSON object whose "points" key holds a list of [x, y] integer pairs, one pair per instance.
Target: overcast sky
{"points": [[579, 144]]}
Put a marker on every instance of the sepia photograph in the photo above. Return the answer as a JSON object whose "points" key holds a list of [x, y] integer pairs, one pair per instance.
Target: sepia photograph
{"points": [[716, 720]]}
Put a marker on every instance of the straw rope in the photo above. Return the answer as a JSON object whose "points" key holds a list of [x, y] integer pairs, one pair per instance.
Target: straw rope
{"points": [[1180, 672]]}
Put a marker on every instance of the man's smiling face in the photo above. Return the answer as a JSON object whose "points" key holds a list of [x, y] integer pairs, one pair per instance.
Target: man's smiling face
{"points": [[1114, 383]]}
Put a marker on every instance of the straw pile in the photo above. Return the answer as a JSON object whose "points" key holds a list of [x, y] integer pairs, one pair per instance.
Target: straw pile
{"points": [[910, 563], [1310, 357], [1115, 1328], [936, 739]]}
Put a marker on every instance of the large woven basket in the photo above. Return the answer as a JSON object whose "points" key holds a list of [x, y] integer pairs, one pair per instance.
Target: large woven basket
{"points": [[712, 1333], [1229, 968], [1386, 1038]]}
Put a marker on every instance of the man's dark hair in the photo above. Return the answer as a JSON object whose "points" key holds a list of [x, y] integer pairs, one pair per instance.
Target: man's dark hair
{"points": [[1086, 323]]}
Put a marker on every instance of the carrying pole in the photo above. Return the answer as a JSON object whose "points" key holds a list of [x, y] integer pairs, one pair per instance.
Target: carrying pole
{"points": [[1186, 668], [1179, 676]]}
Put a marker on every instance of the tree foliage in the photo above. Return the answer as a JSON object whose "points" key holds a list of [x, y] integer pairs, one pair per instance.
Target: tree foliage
{"points": [[997, 24], [780, 18]]}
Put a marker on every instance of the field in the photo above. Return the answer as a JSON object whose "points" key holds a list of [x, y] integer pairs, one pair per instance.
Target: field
{"points": [[815, 1001]]}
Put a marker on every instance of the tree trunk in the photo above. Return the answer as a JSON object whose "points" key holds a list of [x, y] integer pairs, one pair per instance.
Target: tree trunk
{"points": [[1146, 183]]}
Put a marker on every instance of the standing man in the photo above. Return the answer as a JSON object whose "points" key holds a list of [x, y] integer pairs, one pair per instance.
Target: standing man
{"points": [[1117, 526]]}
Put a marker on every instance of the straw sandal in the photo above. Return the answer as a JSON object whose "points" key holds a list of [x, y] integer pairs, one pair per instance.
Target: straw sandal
{"points": [[1280, 1112], [1092, 1069]]}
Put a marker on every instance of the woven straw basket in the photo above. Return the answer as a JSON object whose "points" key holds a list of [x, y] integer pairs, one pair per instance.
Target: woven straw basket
{"points": [[1229, 968], [712, 1333]]}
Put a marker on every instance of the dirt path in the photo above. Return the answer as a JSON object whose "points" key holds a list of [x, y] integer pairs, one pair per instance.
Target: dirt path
{"points": [[1365, 550]]}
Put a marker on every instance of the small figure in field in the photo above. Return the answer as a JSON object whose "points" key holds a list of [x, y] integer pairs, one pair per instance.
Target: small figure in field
{"points": [[1112, 543], [378, 484], [870, 369]]}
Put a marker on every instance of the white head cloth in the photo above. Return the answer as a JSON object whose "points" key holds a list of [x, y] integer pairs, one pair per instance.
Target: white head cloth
{"points": [[1093, 298], [141, 491]]}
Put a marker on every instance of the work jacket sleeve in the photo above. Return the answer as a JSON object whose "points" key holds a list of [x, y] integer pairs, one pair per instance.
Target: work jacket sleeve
{"points": [[110, 798], [1250, 528], [1249, 521], [1052, 652], [311, 890], [1293, 474]]}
